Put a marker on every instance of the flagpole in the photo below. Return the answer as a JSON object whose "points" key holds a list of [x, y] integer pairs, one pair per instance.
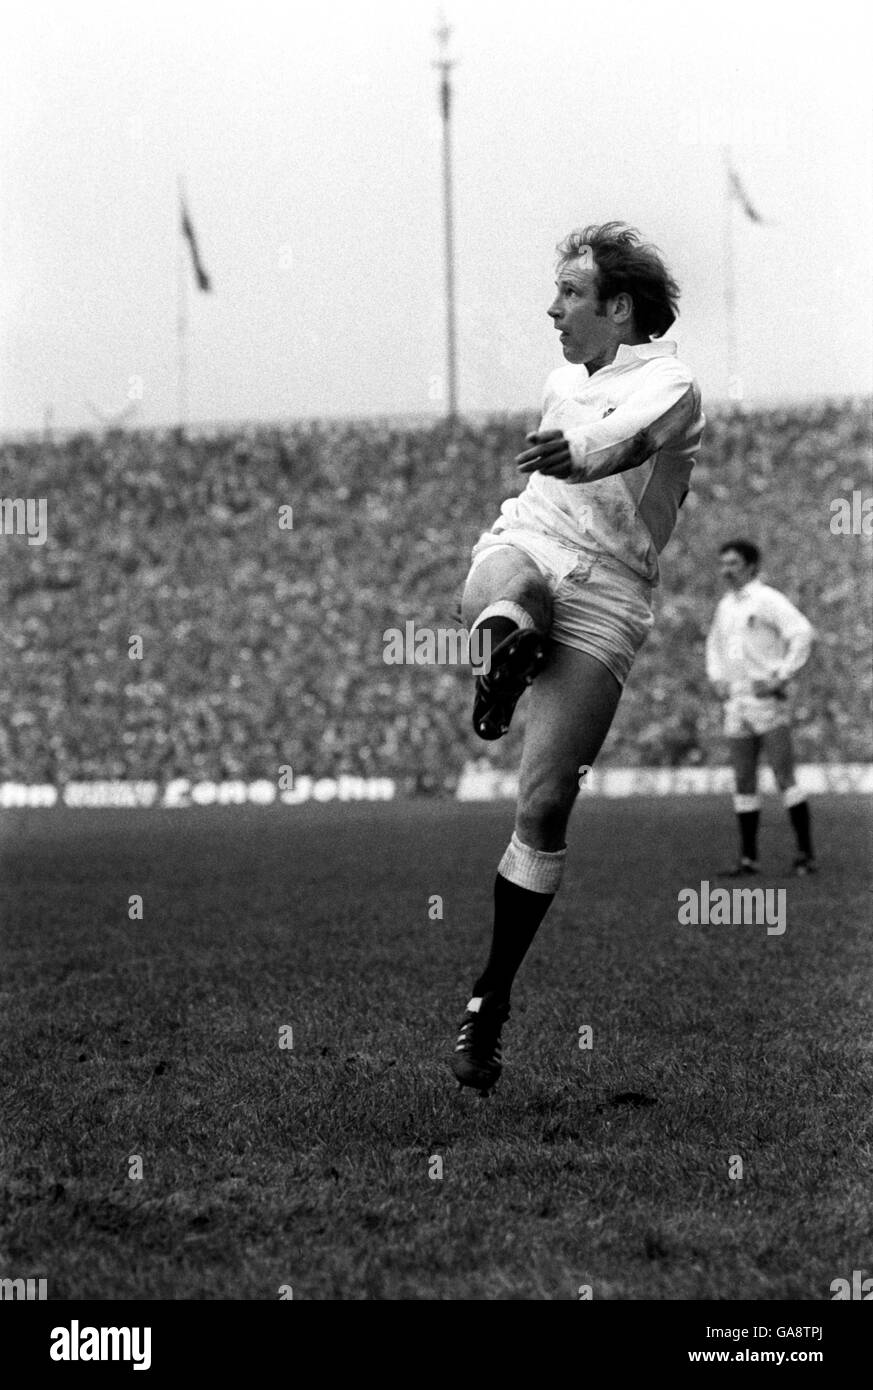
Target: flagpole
{"points": [[730, 298], [445, 65], [181, 321]]}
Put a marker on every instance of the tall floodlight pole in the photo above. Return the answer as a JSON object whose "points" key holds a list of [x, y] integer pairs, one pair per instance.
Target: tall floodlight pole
{"points": [[730, 294], [445, 64], [181, 323]]}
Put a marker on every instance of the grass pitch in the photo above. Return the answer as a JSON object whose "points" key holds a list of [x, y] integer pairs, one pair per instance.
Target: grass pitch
{"points": [[314, 1166]]}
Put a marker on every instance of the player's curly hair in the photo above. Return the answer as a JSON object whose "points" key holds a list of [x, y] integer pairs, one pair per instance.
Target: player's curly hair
{"points": [[627, 265]]}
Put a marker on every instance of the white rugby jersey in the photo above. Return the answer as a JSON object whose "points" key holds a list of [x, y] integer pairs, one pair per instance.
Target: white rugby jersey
{"points": [[641, 413], [756, 634]]}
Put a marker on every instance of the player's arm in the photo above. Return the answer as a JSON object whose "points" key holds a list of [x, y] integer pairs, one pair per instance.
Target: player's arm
{"points": [[664, 407], [798, 635]]}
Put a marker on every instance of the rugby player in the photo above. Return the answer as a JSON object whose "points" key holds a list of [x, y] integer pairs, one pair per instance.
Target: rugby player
{"points": [[757, 643], [563, 580]]}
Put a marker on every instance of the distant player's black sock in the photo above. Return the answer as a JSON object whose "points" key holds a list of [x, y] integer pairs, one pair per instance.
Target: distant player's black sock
{"points": [[518, 913], [748, 823], [799, 816]]}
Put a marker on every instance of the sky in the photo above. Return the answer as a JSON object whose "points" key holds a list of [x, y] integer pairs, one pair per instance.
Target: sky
{"points": [[309, 141]]}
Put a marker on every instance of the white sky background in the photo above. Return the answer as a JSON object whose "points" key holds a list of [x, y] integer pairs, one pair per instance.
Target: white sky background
{"points": [[309, 139]]}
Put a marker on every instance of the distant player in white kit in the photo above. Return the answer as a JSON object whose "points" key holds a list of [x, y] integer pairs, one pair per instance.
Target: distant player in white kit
{"points": [[757, 643], [562, 583]]}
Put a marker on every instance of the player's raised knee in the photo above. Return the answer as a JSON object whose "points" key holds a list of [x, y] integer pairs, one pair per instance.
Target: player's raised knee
{"points": [[527, 590]]}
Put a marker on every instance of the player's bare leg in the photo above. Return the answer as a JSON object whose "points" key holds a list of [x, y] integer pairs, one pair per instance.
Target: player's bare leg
{"points": [[780, 755], [571, 709], [507, 603], [744, 753]]}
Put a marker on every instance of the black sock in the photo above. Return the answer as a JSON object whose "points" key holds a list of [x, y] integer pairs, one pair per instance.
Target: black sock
{"points": [[498, 628], [748, 821], [517, 915], [799, 816]]}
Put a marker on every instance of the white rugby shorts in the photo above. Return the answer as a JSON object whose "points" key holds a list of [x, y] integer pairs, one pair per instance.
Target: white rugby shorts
{"points": [[599, 605], [750, 716]]}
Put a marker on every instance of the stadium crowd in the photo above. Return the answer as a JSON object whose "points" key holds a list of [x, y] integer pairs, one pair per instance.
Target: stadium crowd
{"points": [[262, 645]]}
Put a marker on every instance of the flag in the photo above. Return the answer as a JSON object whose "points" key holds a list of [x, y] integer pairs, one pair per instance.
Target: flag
{"points": [[203, 281], [742, 197]]}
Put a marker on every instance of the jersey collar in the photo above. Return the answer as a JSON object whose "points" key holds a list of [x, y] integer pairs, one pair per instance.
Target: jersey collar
{"points": [[659, 347]]}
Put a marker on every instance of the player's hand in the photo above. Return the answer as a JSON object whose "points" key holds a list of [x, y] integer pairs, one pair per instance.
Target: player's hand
{"points": [[762, 688], [550, 454]]}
